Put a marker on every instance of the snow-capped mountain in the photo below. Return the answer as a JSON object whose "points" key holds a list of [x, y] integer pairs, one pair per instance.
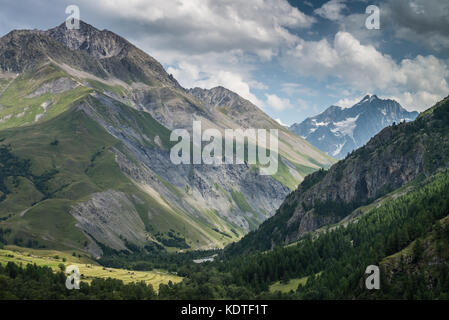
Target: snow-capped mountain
{"points": [[337, 131]]}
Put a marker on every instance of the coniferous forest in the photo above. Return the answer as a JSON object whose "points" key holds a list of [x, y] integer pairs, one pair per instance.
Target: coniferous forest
{"points": [[414, 227]]}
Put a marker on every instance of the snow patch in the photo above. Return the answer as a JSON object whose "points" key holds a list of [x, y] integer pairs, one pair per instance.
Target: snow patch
{"points": [[320, 124], [346, 127], [338, 150]]}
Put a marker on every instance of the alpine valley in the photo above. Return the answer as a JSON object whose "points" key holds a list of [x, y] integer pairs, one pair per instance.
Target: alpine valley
{"points": [[85, 120], [85, 125]]}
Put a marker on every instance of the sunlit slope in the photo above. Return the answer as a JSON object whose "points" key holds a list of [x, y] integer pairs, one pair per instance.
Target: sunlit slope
{"points": [[81, 155], [88, 268]]}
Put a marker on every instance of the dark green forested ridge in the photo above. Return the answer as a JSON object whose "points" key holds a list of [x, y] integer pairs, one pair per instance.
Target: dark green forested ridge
{"points": [[393, 158], [341, 256]]}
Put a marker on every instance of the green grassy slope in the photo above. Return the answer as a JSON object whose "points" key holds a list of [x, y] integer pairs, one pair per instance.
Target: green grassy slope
{"points": [[89, 269], [79, 150], [68, 142], [20, 107]]}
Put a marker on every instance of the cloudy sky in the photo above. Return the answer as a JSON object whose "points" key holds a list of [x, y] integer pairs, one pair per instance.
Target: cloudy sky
{"points": [[293, 59]]}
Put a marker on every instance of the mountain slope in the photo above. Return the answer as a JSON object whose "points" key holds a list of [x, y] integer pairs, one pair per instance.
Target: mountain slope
{"points": [[396, 156], [406, 235], [298, 157], [338, 131], [93, 114]]}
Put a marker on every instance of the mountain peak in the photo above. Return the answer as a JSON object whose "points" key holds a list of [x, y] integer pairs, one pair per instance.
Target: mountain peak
{"points": [[83, 27], [104, 45], [99, 44], [113, 56], [369, 98], [338, 131], [216, 96]]}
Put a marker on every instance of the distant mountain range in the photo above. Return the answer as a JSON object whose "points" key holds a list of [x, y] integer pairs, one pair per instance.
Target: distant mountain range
{"points": [[338, 131]]}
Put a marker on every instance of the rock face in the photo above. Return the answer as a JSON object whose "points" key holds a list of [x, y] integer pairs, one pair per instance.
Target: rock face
{"points": [[58, 86], [393, 158], [98, 44], [124, 185], [338, 131], [240, 110], [116, 55], [208, 185], [227, 105], [110, 217]]}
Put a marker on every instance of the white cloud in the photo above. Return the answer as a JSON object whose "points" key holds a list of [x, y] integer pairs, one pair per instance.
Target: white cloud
{"points": [[345, 58], [297, 88], [304, 105], [257, 85], [332, 10], [420, 21], [348, 102], [190, 76], [280, 122], [278, 103], [213, 43], [203, 42], [425, 73], [200, 26], [207, 43], [364, 68], [418, 101]]}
